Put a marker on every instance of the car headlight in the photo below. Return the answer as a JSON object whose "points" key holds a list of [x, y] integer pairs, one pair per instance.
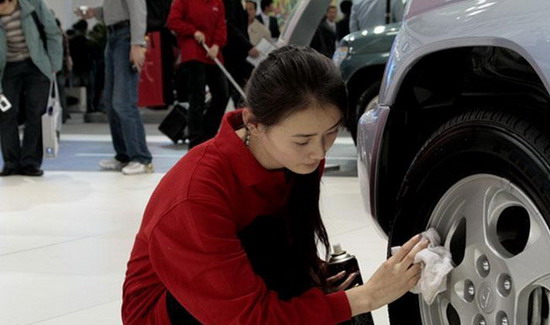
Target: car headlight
{"points": [[339, 55]]}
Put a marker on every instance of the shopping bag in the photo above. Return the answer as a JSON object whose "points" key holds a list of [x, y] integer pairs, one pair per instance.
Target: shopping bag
{"points": [[173, 125], [51, 123]]}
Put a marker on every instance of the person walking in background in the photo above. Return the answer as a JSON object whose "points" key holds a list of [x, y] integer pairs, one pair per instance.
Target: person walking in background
{"points": [[195, 23], [65, 73], [238, 47], [97, 40], [80, 55], [27, 68], [78, 48], [324, 39], [256, 30], [342, 26], [124, 58], [371, 13], [269, 21]]}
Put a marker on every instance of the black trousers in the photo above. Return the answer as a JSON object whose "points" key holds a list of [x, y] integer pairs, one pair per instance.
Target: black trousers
{"points": [[23, 81], [204, 118]]}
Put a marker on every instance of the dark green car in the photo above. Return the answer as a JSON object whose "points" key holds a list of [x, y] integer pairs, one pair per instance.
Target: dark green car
{"points": [[361, 57]]}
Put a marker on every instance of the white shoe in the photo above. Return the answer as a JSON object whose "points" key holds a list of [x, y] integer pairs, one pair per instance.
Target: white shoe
{"points": [[136, 168], [112, 164]]}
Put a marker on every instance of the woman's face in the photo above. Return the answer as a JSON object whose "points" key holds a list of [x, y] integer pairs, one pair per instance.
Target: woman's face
{"points": [[301, 140]]}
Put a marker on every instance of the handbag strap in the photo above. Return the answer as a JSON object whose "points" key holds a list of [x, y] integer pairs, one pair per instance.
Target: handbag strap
{"points": [[41, 30]]}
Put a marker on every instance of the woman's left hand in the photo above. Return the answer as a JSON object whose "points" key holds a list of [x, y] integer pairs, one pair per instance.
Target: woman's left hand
{"points": [[213, 52], [331, 287]]}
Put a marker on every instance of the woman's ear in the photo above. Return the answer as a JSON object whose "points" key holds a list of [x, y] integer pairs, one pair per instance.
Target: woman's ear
{"points": [[249, 120]]}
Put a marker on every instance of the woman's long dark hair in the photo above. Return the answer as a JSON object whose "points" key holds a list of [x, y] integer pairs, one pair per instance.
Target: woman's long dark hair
{"points": [[292, 79]]}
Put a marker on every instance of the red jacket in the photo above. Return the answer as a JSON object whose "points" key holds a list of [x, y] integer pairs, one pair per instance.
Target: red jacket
{"points": [[188, 16], [188, 243]]}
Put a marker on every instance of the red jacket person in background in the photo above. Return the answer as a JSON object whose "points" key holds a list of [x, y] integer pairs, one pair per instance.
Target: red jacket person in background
{"points": [[197, 22]]}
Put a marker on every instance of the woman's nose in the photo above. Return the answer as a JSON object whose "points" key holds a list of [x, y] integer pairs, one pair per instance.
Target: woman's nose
{"points": [[319, 152]]}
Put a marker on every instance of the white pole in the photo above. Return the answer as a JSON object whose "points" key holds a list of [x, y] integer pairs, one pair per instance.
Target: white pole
{"points": [[235, 84]]}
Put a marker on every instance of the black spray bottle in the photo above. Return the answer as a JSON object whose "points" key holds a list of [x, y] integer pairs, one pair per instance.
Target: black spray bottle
{"points": [[339, 261]]}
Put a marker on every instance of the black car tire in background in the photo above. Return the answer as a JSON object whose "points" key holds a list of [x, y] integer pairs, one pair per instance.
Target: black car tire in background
{"points": [[366, 101], [483, 181]]}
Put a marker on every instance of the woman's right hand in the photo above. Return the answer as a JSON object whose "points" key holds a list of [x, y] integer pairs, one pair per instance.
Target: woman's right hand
{"points": [[199, 36], [394, 278]]}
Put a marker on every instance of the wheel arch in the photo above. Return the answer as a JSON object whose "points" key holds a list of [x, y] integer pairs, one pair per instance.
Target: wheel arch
{"points": [[357, 84], [435, 88]]}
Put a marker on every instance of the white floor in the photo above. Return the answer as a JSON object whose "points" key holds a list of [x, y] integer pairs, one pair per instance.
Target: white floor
{"points": [[65, 239]]}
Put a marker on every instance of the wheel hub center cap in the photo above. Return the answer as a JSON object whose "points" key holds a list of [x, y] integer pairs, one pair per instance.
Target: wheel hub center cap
{"points": [[486, 298]]}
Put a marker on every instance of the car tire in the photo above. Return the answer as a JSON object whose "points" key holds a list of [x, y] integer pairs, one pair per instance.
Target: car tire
{"points": [[483, 181], [366, 101]]}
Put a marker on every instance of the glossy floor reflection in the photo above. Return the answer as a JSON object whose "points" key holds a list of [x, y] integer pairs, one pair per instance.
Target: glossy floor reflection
{"points": [[66, 237]]}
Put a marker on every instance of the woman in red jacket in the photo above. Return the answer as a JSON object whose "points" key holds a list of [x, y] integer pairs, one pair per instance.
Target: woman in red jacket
{"points": [[230, 234], [196, 22]]}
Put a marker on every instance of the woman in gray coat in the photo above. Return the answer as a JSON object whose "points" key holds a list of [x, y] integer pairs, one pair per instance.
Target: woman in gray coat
{"points": [[28, 63]]}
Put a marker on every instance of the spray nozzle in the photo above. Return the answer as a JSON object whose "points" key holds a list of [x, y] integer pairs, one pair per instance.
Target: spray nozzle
{"points": [[337, 249]]}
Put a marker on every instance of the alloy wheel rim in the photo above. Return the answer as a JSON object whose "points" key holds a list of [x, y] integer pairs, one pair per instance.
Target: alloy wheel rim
{"points": [[501, 250]]}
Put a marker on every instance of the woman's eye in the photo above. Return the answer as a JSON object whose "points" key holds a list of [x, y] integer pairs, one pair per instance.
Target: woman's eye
{"points": [[301, 143]]}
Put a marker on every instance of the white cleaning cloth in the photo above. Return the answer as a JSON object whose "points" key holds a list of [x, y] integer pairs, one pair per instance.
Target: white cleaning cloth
{"points": [[436, 264]]}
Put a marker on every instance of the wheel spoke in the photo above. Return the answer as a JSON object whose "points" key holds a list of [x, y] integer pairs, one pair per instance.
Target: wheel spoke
{"points": [[464, 310], [456, 292], [475, 212], [531, 265], [459, 273]]}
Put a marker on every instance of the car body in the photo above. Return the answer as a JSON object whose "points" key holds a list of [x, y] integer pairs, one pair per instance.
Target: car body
{"points": [[459, 141], [302, 22], [361, 57]]}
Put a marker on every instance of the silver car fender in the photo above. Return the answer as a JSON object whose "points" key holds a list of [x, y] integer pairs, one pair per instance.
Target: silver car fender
{"points": [[429, 29]]}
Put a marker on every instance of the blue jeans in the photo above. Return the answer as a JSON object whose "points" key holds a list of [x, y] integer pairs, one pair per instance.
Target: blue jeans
{"points": [[120, 97]]}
